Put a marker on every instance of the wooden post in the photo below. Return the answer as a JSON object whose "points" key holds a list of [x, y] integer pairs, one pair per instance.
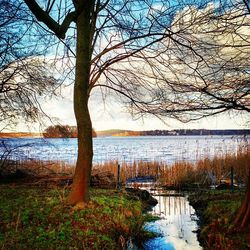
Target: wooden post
{"points": [[118, 177], [232, 179]]}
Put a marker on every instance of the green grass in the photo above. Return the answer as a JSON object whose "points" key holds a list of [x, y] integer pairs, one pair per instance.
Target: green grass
{"points": [[218, 209], [225, 209], [38, 218]]}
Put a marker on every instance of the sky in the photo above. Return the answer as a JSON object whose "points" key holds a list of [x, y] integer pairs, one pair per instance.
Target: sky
{"points": [[112, 114]]}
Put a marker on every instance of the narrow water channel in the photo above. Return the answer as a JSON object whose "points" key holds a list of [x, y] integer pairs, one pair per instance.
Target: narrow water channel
{"points": [[177, 224]]}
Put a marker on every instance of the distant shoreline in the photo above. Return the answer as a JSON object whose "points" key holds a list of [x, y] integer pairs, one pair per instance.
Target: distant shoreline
{"points": [[21, 135], [125, 133], [175, 132]]}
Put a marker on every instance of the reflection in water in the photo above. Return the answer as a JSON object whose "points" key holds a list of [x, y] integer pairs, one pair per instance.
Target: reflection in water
{"points": [[176, 226]]}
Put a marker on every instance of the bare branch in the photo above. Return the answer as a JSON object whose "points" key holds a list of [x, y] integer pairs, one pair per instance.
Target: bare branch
{"points": [[43, 16]]}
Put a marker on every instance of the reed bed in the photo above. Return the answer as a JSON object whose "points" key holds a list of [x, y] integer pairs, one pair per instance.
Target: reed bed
{"points": [[203, 172], [35, 167]]}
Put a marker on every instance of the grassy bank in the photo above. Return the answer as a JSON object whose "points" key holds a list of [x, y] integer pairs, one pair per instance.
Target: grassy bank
{"points": [[38, 218], [217, 210]]}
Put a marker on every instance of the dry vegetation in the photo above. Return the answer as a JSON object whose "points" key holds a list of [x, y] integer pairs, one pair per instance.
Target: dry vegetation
{"points": [[204, 172], [183, 173]]}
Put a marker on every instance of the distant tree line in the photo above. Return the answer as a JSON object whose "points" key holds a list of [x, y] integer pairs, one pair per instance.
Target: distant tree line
{"points": [[180, 132], [197, 132], [62, 131]]}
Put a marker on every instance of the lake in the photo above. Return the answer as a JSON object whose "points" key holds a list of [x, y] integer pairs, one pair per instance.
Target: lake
{"points": [[146, 148]]}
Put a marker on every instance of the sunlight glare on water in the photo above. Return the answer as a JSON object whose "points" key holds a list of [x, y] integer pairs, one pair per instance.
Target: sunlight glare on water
{"points": [[145, 148]]}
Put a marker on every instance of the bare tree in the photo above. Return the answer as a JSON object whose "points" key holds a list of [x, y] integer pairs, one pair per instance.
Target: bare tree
{"points": [[106, 32], [111, 36]]}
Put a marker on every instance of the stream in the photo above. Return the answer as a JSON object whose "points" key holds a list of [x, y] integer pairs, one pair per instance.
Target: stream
{"points": [[177, 224]]}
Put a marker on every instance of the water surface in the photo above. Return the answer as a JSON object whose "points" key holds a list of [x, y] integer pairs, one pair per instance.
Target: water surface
{"points": [[177, 225], [146, 148]]}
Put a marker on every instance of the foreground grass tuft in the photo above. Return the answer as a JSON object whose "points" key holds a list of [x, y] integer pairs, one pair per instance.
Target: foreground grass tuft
{"points": [[38, 218]]}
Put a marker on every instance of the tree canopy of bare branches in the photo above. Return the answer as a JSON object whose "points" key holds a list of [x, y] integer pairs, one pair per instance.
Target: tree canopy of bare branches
{"points": [[167, 58], [23, 74], [200, 70]]}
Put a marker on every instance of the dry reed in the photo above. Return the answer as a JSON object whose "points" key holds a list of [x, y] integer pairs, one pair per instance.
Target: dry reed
{"points": [[203, 172]]}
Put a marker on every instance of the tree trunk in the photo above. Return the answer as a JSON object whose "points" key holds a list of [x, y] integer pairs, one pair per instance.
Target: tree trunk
{"points": [[242, 219], [81, 181]]}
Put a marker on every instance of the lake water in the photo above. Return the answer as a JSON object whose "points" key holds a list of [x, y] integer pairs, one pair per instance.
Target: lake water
{"points": [[146, 148]]}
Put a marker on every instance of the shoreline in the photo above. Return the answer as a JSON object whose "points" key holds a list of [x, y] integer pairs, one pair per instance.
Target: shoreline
{"points": [[20, 135], [117, 133]]}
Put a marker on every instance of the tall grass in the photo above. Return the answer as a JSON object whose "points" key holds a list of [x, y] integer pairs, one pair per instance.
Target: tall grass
{"points": [[35, 167], [203, 172]]}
